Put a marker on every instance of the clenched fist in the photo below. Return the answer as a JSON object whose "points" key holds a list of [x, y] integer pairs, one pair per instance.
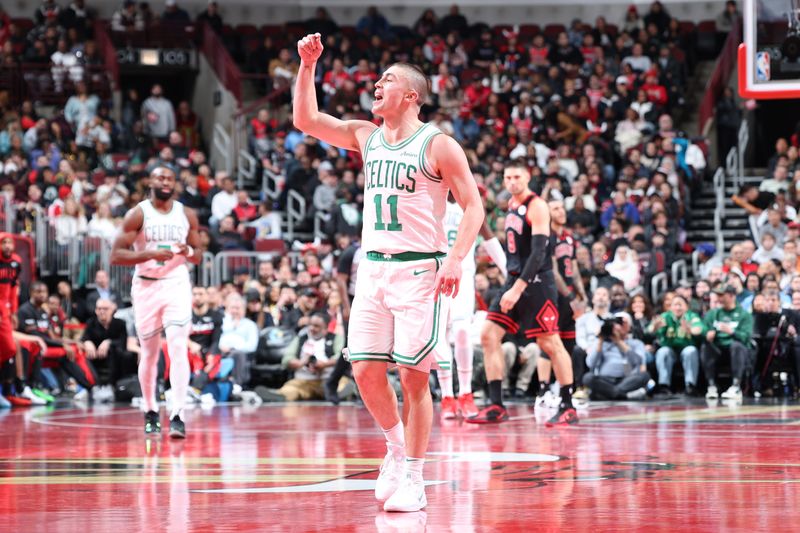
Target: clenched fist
{"points": [[310, 48]]}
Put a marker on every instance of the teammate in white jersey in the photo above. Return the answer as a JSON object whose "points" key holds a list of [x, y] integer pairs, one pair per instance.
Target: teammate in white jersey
{"points": [[163, 234], [462, 311], [397, 313]]}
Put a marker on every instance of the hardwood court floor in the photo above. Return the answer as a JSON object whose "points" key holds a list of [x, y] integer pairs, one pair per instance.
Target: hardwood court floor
{"points": [[306, 467]]}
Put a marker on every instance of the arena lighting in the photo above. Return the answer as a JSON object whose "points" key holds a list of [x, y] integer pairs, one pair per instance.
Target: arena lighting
{"points": [[149, 57]]}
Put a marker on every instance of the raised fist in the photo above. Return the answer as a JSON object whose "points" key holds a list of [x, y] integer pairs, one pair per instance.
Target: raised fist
{"points": [[310, 47]]}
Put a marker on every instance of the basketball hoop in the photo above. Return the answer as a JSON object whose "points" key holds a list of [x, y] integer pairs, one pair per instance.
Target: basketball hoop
{"points": [[769, 58]]}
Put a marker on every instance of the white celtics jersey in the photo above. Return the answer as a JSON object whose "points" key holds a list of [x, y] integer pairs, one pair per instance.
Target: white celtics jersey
{"points": [[162, 230], [404, 202], [452, 219]]}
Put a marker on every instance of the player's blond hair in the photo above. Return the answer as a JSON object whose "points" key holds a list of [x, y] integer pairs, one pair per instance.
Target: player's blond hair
{"points": [[417, 80]]}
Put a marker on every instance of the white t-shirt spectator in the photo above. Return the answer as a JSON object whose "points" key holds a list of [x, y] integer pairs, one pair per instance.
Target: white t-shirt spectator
{"points": [[223, 204]]}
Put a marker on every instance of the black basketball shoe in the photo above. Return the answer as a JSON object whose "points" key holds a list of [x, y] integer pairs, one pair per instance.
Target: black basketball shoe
{"points": [[152, 424], [177, 429]]}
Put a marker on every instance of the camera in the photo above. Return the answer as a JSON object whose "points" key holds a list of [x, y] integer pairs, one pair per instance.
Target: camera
{"points": [[312, 360], [607, 329]]}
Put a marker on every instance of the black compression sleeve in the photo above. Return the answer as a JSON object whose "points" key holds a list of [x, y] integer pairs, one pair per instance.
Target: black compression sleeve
{"points": [[536, 259]]}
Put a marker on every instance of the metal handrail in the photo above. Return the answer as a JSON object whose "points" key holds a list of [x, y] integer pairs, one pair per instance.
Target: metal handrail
{"points": [[718, 230], [744, 139], [719, 188], [295, 212], [680, 271], [246, 168], [319, 222], [696, 264], [659, 281], [221, 142], [271, 183]]}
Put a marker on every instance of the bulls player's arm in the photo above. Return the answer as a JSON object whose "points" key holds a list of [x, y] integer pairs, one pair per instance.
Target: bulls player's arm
{"points": [[347, 134], [561, 285], [192, 238], [121, 253], [538, 216], [577, 281]]}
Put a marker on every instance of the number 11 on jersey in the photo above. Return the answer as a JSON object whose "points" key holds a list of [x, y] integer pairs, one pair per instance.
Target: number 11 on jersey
{"points": [[394, 224]]}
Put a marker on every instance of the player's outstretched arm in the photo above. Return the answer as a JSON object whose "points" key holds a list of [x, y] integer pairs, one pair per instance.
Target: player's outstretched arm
{"points": [[121, 253], [451, 164], [305, 113]]}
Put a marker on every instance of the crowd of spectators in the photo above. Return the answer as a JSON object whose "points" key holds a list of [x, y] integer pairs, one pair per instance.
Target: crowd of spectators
{"points": [[589, 108]]}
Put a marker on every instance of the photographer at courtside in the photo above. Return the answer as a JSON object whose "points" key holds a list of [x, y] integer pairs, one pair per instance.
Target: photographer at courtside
{"points": [[617, 362]]}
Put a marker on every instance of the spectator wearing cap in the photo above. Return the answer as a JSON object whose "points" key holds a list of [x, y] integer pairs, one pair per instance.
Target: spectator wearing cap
{"points": [[707, 258], [312, 356], [296, 317], [617, 363], [729, 329], [255, 310]]}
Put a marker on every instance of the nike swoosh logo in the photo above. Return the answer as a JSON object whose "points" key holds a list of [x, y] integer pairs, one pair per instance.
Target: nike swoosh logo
{"points": [[418, 272]]}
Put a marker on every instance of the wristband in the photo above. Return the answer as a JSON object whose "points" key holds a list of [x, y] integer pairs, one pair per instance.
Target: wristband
{"points": [[190, 252]]}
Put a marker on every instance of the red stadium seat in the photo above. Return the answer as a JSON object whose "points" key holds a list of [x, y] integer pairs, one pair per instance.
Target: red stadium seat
{"points": [[246, 29], [468, 73], [24, 23], [551, 31], [501, 29], [613, 29], [686, 26], [269, 245], [273, 30], [349, 31], [707, 26], [529, 30]]}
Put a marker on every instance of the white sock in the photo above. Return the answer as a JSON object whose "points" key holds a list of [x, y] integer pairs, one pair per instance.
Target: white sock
{"points": [[463, 357], [395, 439], [179, 371], [414, 468], [148, 371], [446, 382]]}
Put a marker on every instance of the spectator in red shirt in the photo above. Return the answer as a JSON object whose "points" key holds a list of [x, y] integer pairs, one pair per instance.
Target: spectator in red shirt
{"points": [[244, 211], [435, 49], [539, 52], [262, 126], [656, 92], [364, 74], [334, 79]]}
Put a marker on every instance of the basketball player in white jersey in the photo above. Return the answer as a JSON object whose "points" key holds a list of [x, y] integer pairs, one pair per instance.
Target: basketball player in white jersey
{"points": [[163, 234], [398, 314], [462, 311]]}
